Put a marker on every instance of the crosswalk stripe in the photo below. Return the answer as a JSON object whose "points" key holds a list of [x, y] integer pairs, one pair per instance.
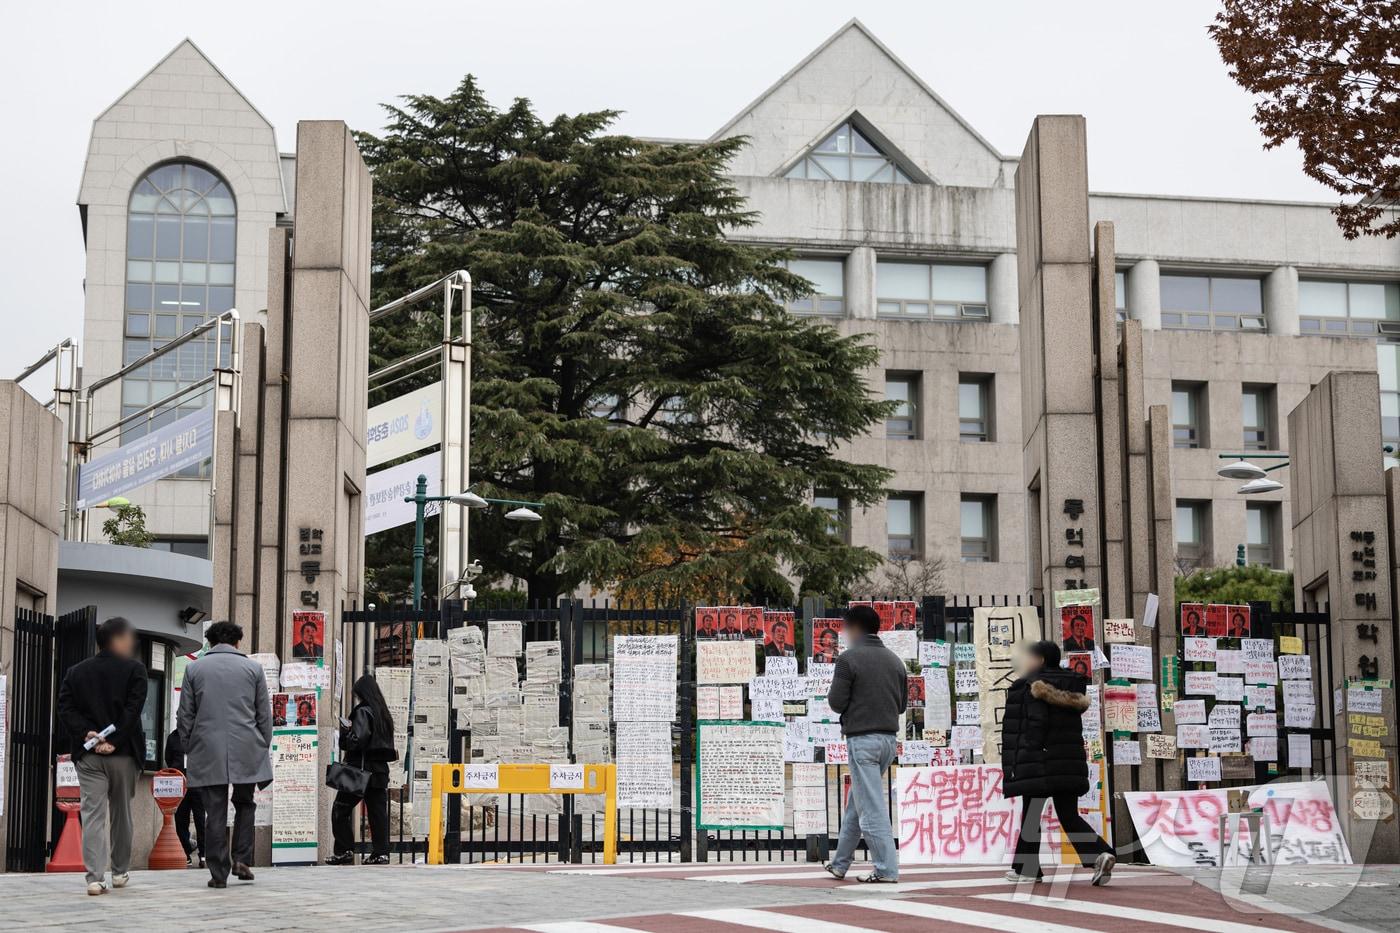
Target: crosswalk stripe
{"points": [[765, 920], [1208, 924], [783, 876], [998, 881], [577, 926], [972, 918]]}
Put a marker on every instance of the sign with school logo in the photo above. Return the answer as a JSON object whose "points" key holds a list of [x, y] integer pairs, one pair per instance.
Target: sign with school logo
{"points": [[404, 424], [385, 492]]}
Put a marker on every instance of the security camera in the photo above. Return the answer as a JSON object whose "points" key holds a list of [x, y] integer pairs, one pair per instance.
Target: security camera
{"points": [[468, 591], [472, 570]]}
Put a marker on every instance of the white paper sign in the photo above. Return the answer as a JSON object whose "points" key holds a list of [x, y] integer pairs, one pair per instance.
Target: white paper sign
{"points": [[741, 780], [1295, 667], [1199, 650], [644, 677], [1203, 769], [1132, 661], [1199, 683], [934, 653], [1189, 711], [481, 777], [1229, 661], [1127, 752], [644, 764], [1229, 689], [965, 681], [566, 777], [726, 662], [1363, 700]]}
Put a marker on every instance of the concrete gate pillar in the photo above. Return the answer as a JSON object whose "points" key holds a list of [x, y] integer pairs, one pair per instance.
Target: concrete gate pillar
{"points": [[1342, 558]]}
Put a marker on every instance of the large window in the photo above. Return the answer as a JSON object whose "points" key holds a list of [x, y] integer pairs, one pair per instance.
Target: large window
{"points": [[847, 155], [180, 245], [903, 390], [1192, 533], [1257, 417], [922, 290], [1199, 302], [1261, 531], [839, 523], [974, 407], [1363, 308], [979, 529], [1188, 414], [828, 282], [904, 525], [1388, 368], [1120, 296]]}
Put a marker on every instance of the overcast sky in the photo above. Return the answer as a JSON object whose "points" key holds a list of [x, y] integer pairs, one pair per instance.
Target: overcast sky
{"points": [[1163, 116]]}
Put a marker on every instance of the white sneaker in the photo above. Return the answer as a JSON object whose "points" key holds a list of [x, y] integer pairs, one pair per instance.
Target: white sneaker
{"points": [[1103, 868], [95, 888], [1018, 878], [120, 881]]}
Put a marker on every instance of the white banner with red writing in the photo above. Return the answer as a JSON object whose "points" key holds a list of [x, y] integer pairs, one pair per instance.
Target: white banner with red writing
{"points": [[1182, 828]]}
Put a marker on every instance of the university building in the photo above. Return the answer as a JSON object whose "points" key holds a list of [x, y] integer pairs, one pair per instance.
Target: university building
{"points": [[903, 217]]}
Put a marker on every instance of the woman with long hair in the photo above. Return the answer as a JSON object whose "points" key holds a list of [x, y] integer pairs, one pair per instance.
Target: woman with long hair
{"points": [[367, 742]]}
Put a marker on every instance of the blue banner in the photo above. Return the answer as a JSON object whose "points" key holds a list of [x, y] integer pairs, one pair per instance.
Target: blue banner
{"points": [[166, 450]]}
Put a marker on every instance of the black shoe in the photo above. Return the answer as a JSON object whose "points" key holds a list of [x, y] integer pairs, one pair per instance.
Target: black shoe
{"points": [[217, 884], [376, 860], [344, 858], [242, 872]]}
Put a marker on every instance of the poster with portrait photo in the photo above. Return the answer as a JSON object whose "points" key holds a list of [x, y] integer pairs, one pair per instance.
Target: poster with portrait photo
{"points": [[1082, 663], [279, 709], [884, 608], [906, 615], [1217, 620], [1077, 628], [707, 622], [1193, 620], [779, 634], [303, 706], [309, 634], [1236, 621], [916, 693], [729, 625], [751, 622], [826, 640]]}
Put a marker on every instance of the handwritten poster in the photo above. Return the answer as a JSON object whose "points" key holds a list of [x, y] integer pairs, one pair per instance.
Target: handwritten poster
{"points": [[740, 776], [1120, 707], [297, 779], [955, 815], [644, 764], [938, 712], [644, 677], [994, 631], [1182, 828], [1133, 662], [934, 653], [725, 662]]}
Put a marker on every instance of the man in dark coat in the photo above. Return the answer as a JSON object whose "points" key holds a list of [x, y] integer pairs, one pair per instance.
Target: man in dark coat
{"points": [[191, 808], [107, 691], [1042, 758]]}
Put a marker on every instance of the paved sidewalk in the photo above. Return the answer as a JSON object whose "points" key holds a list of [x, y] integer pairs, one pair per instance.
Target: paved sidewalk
{"points": [[693, 898]]}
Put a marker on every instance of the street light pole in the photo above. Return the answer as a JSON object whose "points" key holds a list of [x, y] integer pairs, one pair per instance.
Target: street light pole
{"points": [[523, 512]]}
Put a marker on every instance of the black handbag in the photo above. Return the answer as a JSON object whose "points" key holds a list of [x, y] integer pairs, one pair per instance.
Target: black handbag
{"points": [[347, 778]]}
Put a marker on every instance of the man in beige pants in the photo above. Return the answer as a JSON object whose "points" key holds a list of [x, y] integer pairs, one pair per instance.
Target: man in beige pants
{"points": [[105, 694]]}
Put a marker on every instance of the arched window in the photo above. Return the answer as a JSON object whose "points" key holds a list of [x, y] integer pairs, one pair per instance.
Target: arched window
{"points": [[180, 246]]}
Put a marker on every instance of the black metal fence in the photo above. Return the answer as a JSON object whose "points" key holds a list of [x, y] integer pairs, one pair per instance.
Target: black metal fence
{"points": [[31, 724]]}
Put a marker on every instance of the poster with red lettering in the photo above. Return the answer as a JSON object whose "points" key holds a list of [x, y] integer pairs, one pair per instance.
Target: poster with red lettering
{"points": [[751, 622], [885, 610], [906, 614], [826, 640], [729, 622], [1193, 620], [779, 634], [1182, 828], [955, 816], [1236, 621], [707, 622], [1216, 624]]}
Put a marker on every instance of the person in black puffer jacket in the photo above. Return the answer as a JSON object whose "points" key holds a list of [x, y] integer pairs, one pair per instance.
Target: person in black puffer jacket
{"points": [[1042, 758], [367, 742]]}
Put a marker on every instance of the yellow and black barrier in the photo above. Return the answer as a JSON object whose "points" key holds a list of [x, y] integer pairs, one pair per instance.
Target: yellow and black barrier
{"points": [[524, 779]]}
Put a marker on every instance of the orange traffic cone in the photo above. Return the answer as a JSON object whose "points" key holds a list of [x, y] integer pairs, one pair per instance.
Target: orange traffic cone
{"points": [[68, 854]]}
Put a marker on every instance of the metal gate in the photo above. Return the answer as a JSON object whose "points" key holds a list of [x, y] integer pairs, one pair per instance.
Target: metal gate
{"points": [[1314, 627], [31, 730]]}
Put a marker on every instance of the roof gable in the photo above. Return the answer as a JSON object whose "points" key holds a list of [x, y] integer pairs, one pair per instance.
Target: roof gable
{"points": [[852, 72]]}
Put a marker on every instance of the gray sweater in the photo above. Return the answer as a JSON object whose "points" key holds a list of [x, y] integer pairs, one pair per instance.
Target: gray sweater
{"points": [[869, 688]]}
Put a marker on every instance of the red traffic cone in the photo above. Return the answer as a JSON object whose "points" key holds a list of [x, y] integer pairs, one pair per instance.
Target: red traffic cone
{"points": [[68, 854]]}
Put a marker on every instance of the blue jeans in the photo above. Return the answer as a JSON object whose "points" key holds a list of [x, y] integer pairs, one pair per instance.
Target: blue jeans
{"points": [[868, 807]]}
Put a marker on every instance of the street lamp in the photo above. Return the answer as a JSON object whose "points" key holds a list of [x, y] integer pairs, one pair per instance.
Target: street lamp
{"points": [[1262, 484], [465, 499]]}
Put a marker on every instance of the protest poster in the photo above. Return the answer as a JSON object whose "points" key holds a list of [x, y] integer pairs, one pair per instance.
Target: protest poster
{"points": [[934, 653], [1081, 662], [1149, 715], [826, 640], [1264, 748], [1193, 620], [836, 753], [1160, 745], [731, 702], [954, 816], [780, 635], [504, 638], [1198, 683], [1260, 672], [1294, 667], [1363, 700], [706, 702], [751, 622], [969, 713], [724, 662], [1149, 611], [644, 764], [295, 812], [915, 752], [1216, 624], [1127, 752], [1120, 707], [1192, 735], [1182, 828], [797, 740], [938, 713], [1132, 662], [1259, 698], [1077, 628], [1119, 631], [809, 823], [644, 678], [914, 690], [1237, 622], [1203, 769], [740, 776], [706, 621], [1229, 689], [1299, 751], [903, 642], [965, 681], [995, 630], [964, 653], [966, 738], [1290, 644], [1199, 650], [818, 682]]}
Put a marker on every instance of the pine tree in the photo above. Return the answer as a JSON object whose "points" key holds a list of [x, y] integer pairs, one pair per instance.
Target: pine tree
{"points": [[634, 366]]}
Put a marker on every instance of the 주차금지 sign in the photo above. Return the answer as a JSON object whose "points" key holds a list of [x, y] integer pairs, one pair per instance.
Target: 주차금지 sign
{"points": [[166, 450], [385, 492], [404, 424]]}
